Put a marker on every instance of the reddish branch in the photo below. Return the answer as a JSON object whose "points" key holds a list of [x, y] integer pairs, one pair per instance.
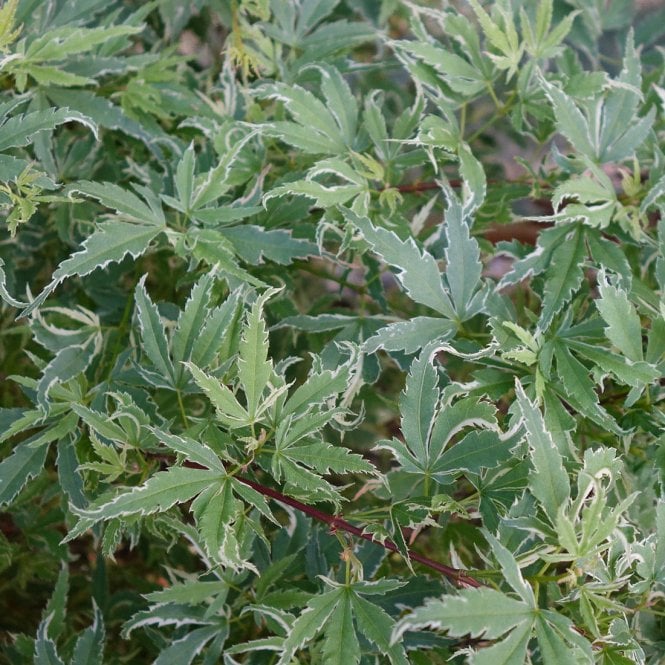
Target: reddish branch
{"points": [[459, 577]]}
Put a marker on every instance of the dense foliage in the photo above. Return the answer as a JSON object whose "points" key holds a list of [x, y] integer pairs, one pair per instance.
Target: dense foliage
{"points": [[332, 331]]}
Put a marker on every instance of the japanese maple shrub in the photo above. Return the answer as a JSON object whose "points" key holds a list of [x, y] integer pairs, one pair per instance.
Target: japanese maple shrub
{"points": [[332, 332]]}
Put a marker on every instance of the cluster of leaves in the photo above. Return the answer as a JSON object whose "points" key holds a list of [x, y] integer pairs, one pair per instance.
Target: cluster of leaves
{"points": [[277, 359]]}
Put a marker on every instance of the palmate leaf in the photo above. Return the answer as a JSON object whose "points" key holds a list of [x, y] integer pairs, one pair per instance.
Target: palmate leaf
{"points": [[318, 128], [333, 614], [219, 516], [418, 271]]}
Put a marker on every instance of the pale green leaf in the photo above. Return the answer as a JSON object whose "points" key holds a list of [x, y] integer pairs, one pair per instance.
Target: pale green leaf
{"points": [[127, 205], [623, 327], [410, 336], [254, 367], [186, 649], [418, 271], [549, 481], [476, 612], [159, 493], [463, 265], [418, 405]]}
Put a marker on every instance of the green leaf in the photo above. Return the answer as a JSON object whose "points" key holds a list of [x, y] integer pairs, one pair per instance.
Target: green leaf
{"points": [[309, 623], [187, 648], [477, 450], [479, 612], [254, 367], [89, 648], [192, 450], [340, 644], [635, 374], [127, 206], [418, 271], [192, 319], [411, 336], [418, 404], [20, 130], [463, 266], [315, 129], [580, 390], [376, 625], [153, 335], [110, 243], [317, 389], [254, 244], [623, 327], [61, 42], [157, 494], [229, 410], [549, 481], [25, 462], [67, 364], [326, 458], [564, 276]]}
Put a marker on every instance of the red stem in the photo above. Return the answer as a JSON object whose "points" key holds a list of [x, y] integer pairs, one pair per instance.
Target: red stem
{"points": [[459, 577]]}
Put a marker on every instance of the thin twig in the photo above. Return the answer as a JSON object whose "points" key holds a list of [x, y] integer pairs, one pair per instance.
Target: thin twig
{"points": [[456, 575]]}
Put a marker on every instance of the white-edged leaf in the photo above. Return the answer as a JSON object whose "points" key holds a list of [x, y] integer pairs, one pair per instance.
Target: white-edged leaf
{"points": [[20, 130], [309, 623], [127, 205], [153, 335], [159, 493], [564, 276], [418, 405], [254, 367], [463, 265], [227, 406], [418, 271], [549, 481], [476, 612], [410, 336], [623, 327]]}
